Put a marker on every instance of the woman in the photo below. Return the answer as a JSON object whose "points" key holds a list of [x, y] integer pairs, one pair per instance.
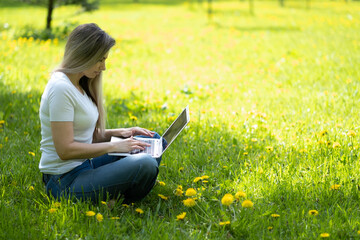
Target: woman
{"points": [[75, 143]]}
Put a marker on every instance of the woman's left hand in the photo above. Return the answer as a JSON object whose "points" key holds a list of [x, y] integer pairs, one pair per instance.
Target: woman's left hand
{"points": [[134, 131]]}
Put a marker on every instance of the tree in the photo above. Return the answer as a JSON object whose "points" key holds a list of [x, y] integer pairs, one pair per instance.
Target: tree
{"points": [[87, 5]]}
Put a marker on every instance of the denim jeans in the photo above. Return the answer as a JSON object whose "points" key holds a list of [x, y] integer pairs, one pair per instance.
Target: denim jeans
{"points": [[103, 177]]}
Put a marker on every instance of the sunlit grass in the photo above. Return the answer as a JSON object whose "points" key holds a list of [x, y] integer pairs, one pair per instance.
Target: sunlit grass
{"points": [[273, 100]]}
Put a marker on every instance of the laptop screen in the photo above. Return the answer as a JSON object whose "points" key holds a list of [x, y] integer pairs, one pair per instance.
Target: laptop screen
{"points": [[176, 127]]}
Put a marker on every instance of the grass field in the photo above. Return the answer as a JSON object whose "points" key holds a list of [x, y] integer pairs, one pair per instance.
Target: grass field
{"points": [[274, 103]]}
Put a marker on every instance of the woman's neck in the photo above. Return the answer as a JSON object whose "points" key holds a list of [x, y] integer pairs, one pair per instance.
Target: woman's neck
{"points": [[75, 79]]}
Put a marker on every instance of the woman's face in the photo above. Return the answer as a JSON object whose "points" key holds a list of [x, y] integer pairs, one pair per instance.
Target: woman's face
{"points": [[97, 68]]}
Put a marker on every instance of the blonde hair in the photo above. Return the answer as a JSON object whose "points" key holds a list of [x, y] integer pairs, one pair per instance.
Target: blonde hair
{"points": [[87, 44]]}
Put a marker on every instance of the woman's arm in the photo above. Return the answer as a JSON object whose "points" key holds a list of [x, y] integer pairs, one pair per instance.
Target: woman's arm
{"points": [[121, 132], [67, 148]]}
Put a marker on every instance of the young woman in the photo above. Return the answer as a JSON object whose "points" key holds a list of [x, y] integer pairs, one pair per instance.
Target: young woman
{"points": [[75, 143]]}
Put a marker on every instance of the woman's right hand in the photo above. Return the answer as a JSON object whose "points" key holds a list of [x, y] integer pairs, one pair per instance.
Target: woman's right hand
{"points": [[128, 144]]}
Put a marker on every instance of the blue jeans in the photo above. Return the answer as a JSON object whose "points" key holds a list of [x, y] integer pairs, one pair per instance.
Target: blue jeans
{"points": [[103, 177]]}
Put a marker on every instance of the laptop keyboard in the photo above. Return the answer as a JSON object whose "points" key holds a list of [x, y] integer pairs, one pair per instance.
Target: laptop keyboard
{"points": [[148, 150]]}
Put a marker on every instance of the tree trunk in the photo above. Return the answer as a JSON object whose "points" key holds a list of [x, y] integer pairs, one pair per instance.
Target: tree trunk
{"points": [[210, 12], [251, 7], [49, 16]]}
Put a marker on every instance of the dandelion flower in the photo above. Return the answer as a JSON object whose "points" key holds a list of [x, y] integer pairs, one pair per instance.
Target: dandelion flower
{"points": [[275, 215], [139, 210], [336, 145], [227, 199], [181, 216], [240, 194], [189, 202], [31, 188], [90, 213], [125, 205], [190, 192], [224, 223], [197, 179], [247, 204], [32, 154], [103, 202], [270, 228], [114, 218], [269, 149], [351, 133], [313, 212], [335, 187], [52, 210], [178, 192], [163, 197], [99, 217], [324, 235], [205, 177], [133, 118], [161, 183], [57, 204], [358, 232]]}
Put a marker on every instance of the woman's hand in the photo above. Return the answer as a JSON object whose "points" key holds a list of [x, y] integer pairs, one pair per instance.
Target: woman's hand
{"points": [[135, 131], [129, 144]]}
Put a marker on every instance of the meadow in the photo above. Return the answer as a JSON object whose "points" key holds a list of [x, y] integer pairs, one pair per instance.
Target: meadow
{"points": [[272, 149]]}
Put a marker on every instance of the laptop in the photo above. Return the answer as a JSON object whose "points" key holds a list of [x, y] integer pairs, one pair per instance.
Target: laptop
{"points": [[156, 149]]}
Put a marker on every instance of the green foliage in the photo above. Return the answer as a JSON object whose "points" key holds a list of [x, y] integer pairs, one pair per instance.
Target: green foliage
{"points": [[58, 32]]}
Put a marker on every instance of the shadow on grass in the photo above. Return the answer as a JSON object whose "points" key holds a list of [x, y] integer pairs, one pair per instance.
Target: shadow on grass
{"points": [[259, 28]]}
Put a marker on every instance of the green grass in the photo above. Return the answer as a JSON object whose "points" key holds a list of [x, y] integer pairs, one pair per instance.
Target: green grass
{"points": [[285, 78]]}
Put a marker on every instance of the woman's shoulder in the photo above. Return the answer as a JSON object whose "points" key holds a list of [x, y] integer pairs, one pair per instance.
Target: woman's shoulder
{"points": [[59, 83]]}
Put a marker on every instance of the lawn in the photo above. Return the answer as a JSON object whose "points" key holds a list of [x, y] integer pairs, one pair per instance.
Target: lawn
{"points": [[273, 98]]}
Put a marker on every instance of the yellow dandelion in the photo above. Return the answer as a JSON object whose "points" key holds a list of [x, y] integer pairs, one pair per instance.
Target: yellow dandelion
{"points": [[163, 197], [189, 202], [133, 118], [181, 169], [227, 199], [181, 216], [52, 210], [125, 205], [90, 213], [224, 223], [324, 235], [178, 192], [240, 194], [161, 183], [335, 187], [336, 145], [351, 133], [32, 154], [197, 179], [57, 204], [247, 204], [313, 213], [103, 202], [269, 149], [31, 188], [323, 133], [205, 177], [2, 122], [358, 232], [99, 217], [275, 215], [190, 192], [270, 228], [114, 218], [139, 210]]}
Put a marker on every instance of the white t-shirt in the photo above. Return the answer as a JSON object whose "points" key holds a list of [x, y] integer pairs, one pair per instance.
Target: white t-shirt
{"points": [[62, 101]]}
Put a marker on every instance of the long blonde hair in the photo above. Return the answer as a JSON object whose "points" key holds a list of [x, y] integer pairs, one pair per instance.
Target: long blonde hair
{"points": [[87, 44]]}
